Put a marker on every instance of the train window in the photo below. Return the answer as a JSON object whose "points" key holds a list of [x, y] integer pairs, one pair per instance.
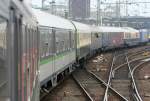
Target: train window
{"points": [[57, 47], [62, 43], [4, 91], [23, 39], [46, 43], [57, 40], [67, 40], [60, 40], [127, 36], [72, 40]]}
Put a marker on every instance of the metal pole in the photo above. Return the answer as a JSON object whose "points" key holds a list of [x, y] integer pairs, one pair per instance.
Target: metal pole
{"points": [[119, 15], [126, 7], [98, 11], [66, 14], [101, 21], [52, 6], [43, 3]]}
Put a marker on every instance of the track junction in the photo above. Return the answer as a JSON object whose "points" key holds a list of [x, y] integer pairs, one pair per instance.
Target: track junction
{"points": [[111, 76]]}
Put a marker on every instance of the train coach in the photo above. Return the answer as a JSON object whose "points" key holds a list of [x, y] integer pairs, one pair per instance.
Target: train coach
{"points": [[83, 41], [131, 36], [18, 52], [144, 34], [96, 40], [62, 44], [112, 37], [57, 48]]}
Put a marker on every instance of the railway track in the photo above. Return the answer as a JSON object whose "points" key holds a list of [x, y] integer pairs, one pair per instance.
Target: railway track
{"points": [[123, 80], [108, 92], [141, 74], [133, 67], [67, 91], [120, 81], [135, 92], [115, 81], [91, 86], [94, 87], [100, 65], [137, 66]]}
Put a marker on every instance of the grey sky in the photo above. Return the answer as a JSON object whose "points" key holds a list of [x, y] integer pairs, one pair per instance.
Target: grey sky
{"points": [[134, 9]]}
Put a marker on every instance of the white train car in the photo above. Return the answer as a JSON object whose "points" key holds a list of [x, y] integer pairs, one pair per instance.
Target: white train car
{"points": [[131, 36], [83, 39], [112, 37], [96, 39], [57, 47]]}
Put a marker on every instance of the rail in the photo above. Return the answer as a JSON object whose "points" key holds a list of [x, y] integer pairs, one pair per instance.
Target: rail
{"points": [[109, 79], [106, 85], [80, 85], [113, 72], [133, 70], [136, 93], [138, 52]]}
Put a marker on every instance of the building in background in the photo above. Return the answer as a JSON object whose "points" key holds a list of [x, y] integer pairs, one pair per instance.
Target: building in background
{"points": [[79, 9]]}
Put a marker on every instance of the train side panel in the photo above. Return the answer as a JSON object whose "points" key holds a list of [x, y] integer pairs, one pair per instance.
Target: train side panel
{"points": [[57, 48], [83, 39], [58, 54], [84, 44], [112, 37], [96, 40], [143, 36], [112, 40], [51, 68], [24, 53], [117, 40], [131, 37]]}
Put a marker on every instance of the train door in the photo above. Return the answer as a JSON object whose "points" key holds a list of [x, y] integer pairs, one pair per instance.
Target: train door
{"points": [[54, 53], [91, 46], [20, 58], [105, 40], [25, 60], [29, 64], [30, 69], [14, 55], [100, 40], [5, 90], [4, 70]]}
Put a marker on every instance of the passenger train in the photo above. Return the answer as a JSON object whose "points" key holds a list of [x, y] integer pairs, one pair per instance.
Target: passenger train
{"points": [[18, 52], [65, 44], [37, 49]]}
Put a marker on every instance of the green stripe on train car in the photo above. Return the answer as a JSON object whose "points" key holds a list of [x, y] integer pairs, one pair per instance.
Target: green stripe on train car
{"points": [[50, 59]]}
